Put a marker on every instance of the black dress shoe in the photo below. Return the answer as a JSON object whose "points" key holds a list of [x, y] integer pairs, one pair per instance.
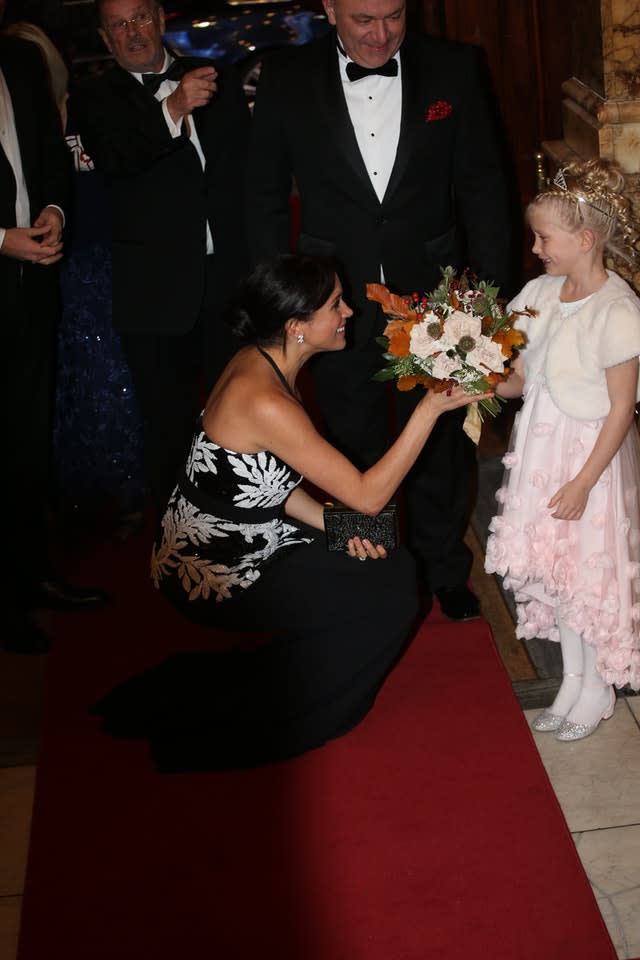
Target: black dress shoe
{"points": [[27, 639], [58, 595], [459, 603]]}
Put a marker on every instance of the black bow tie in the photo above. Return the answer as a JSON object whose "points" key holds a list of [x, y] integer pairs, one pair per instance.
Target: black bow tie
{"points": [[356, 72], [176, 71]]}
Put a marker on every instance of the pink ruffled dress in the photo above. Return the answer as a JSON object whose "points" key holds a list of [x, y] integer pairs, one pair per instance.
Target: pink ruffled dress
{"points": [[587, 572]]}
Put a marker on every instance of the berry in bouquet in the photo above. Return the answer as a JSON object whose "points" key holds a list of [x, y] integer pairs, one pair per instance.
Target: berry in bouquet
{"points": [[458, 334]]}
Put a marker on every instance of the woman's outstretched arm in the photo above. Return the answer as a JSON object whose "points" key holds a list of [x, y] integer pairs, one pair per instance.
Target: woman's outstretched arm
{"points": [[283, 427]]}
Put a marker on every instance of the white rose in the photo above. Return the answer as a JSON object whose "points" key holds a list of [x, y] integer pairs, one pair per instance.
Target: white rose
{"points": [[487, 355], [459, 325], [443, 367], [421, 343]]}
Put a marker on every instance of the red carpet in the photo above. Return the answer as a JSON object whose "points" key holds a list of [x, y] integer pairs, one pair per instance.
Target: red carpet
{"points": [[426, 833]]}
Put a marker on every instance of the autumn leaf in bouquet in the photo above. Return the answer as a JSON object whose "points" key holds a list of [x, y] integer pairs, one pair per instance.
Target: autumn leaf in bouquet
{"points": [[459, 333]]}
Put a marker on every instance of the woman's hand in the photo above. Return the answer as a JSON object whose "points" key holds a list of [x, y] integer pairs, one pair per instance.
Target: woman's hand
{"points": [[451, 399], [364, 548]]}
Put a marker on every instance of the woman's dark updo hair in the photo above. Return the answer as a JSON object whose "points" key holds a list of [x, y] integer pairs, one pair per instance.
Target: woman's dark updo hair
{"points": [[278, 290]]}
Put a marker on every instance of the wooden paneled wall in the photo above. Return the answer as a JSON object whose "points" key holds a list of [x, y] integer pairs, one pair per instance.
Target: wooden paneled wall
{"points": [[527, 50]]}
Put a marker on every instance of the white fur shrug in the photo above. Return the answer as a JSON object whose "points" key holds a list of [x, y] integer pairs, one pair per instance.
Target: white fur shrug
{"points": [[575, 351]]}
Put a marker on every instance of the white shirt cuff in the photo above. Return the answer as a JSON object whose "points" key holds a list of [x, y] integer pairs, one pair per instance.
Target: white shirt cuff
{"points": [[175, 129], [60, 211]]}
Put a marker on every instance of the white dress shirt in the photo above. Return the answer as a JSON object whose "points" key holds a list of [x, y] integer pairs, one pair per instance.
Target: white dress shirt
{"points": [[375, 108], [11, 147], [9, 143], [165, 89]]}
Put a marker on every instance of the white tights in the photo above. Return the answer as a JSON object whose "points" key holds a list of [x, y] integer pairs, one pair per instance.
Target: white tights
{"points": [[583, 695]]}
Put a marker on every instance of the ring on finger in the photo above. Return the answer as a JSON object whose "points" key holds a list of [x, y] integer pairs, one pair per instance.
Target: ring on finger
{"points": [[362, 558]]}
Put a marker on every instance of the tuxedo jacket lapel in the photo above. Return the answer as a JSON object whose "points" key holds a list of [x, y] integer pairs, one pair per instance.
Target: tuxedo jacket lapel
{"points": [[128, 87], [332, 108], [15, 81], [412, 69], [24, 127], [6, 172]]}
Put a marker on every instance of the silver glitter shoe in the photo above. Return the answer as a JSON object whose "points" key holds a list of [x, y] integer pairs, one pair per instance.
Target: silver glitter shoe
{"points": [[546, 722], [568, 730]]}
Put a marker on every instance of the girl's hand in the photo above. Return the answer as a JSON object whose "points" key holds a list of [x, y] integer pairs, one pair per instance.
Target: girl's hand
{"points": [[364, 548], [570, 501]]}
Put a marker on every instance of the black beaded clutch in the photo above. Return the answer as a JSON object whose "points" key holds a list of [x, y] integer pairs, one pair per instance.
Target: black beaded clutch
{"points": [[341, 523]]}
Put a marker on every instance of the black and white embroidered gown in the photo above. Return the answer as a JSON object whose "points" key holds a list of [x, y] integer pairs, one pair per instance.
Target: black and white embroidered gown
{"points": [[225, 521], [228, 557]]}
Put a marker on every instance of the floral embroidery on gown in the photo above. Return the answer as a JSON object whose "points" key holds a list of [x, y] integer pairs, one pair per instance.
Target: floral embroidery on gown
{"points": [[225, 521], [585, 572]]}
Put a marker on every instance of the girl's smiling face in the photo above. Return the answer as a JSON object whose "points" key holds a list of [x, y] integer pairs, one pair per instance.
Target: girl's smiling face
{"points": [[556, 246]]}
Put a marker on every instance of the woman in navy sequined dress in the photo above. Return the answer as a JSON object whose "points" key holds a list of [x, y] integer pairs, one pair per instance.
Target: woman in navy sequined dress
{"points": [[97, 433]]}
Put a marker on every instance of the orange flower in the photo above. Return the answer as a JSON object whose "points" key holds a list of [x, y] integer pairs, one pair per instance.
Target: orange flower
{"points": [[487, 323], [399, 343], [408, 383], [509, 340], [393, 326], [398, 332], [391, 303]]}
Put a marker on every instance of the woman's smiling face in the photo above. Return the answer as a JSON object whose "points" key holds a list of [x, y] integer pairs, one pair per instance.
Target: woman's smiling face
{"points": [[325, 329]]}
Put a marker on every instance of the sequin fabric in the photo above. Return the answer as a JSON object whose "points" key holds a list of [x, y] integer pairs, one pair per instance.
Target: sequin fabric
{"points": [[97, 439]]}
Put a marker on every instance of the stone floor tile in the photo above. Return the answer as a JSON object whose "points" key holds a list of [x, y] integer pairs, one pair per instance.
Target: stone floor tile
{"points": [[611, 859], [614, 924], [596, 780], [634, 706], [627, 906]]}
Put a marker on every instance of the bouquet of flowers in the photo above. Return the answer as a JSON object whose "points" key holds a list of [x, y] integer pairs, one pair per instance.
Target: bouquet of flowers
{"points": [[458, 334]]}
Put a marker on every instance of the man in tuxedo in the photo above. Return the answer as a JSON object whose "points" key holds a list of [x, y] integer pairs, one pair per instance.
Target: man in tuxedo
{"points": [[34, 193], [389, 140], [169, 136]]}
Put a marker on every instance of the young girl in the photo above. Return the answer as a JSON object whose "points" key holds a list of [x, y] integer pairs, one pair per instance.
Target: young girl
{"points": [[567, 535]]}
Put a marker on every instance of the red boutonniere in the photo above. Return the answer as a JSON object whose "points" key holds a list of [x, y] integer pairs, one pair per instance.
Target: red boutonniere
{"points": [[438, 110]]}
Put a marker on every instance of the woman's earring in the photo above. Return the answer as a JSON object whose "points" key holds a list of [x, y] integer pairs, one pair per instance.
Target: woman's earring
{"points": [[300, 338]]}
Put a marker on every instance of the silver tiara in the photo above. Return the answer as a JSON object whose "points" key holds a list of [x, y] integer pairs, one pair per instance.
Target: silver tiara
{"points": [[602, 205], [559, 179]]}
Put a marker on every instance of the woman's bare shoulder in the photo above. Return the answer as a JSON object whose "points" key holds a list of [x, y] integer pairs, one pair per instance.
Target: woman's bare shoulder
{"points": [[244, 404]]}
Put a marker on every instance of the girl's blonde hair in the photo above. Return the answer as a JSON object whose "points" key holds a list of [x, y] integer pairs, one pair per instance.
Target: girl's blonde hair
{"points": [[589, 194]]}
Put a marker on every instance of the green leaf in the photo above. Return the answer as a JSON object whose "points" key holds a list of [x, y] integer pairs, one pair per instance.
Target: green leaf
{"points": [[489, 291], [388, 373], [492, 406]]}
